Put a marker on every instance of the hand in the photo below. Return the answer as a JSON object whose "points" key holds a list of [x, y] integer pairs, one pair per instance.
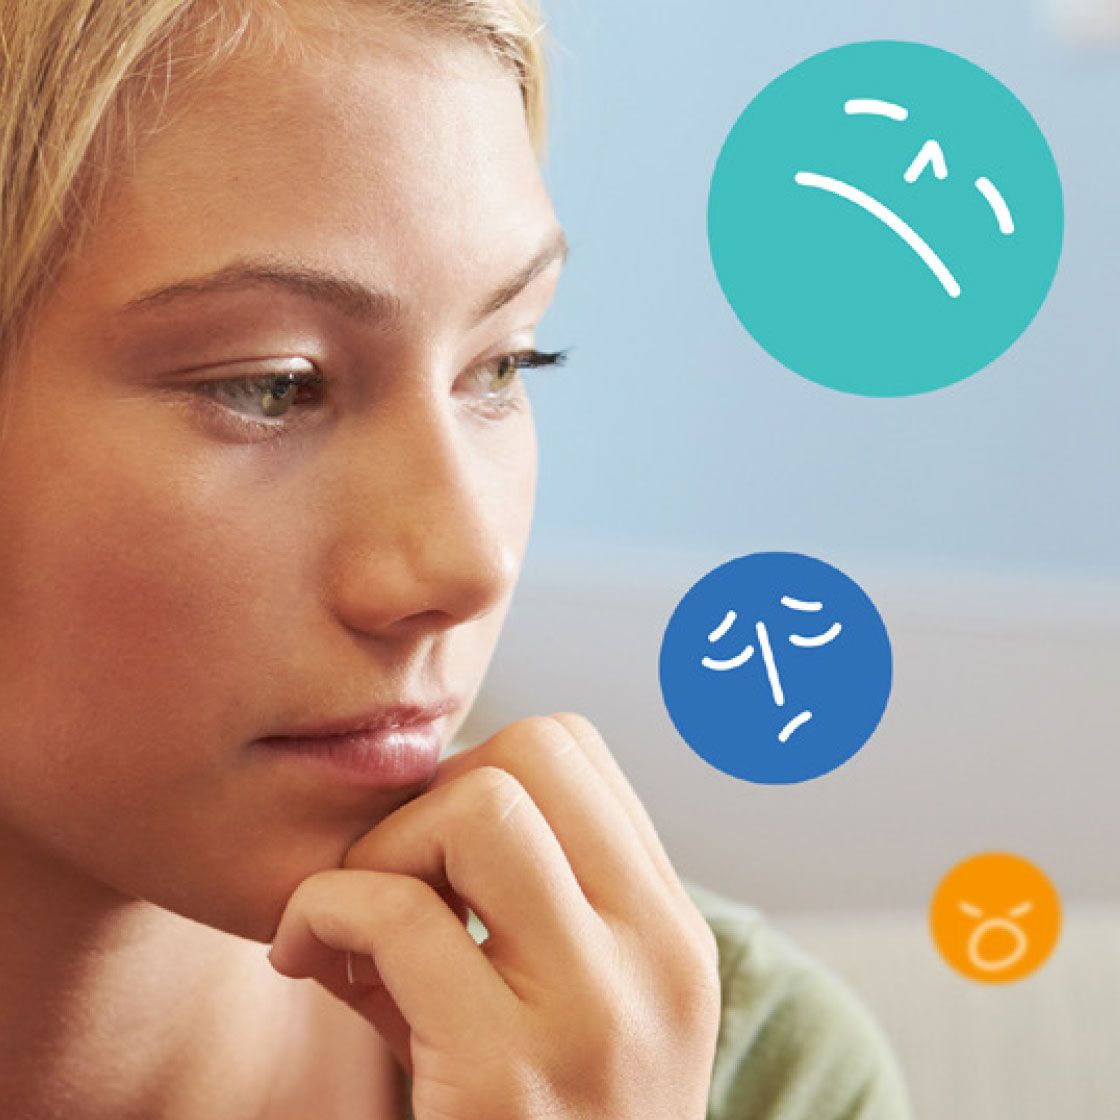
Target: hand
{"points": [[597, 991]]}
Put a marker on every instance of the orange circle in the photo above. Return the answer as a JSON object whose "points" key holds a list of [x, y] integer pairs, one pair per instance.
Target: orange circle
{"points": [[995, 917]]}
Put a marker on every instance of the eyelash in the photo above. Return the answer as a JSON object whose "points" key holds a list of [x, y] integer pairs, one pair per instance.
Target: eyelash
{"points": [[497, 405]]}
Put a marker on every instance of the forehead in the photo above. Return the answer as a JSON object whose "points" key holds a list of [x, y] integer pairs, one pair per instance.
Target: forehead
{"points": [[401, 157]]}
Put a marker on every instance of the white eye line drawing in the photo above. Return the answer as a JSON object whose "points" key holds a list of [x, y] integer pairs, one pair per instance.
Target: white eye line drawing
{"points": [[731, 662], [987, 925], [1014, 912], [801, 604], [723, 627], [931, 155], [1000, 208], [890, 219], [871, 105], [817, 639]]}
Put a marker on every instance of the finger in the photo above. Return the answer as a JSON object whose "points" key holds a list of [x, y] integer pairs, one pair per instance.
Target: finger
{"points": [[358, 984], [594, 821], [485, 838], [360, 969], [594, 746], [436, 975], [367, 995], [600, 756], [359, 972]]}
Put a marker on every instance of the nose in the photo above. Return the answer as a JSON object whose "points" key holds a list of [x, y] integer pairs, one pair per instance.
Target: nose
{"points": [[771, 664], [431, 519]]}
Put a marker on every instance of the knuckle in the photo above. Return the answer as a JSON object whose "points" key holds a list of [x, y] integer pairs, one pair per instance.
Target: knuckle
{"points": [[702, 977], [507, 798], [697, 931], [577, 725], [529, 727], [688, 964], [521, 728], [498, 789], [315, 891], [406, 902], [547, 735], [696, 986], [582, 733], [705, 940], [711, 947], [318, 904], [556, 735]]}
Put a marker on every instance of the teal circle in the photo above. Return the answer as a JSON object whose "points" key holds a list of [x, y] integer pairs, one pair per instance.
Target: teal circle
{"points": [[833, 291]]}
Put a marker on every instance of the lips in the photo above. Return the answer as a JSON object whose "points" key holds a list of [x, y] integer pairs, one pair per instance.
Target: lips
{"points": [[389, 718], [389, 748]]}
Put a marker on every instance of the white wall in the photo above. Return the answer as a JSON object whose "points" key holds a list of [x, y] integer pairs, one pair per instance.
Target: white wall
{"points": [[1001, 731]]}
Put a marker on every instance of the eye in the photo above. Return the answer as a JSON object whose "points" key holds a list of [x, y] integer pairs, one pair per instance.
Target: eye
{"points": [[269, 394], [502, 372]]}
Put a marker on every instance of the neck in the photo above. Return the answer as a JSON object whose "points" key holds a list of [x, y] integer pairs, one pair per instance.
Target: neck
{"points": [[113, 1007]]}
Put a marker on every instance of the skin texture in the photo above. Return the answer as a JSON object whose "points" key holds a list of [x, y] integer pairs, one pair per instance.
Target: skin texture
{"points": [[597, 990], [175, 589]]}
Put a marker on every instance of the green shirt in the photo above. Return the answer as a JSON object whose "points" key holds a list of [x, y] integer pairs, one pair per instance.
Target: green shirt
{"points": [[794, 1042]]}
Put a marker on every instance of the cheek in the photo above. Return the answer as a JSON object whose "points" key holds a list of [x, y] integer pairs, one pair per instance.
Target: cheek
{"points": [[132, 680], [133, 619], [128, 600]]}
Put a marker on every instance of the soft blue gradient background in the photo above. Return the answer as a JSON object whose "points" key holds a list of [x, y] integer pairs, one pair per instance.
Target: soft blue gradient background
{"points": [[671, 427]]}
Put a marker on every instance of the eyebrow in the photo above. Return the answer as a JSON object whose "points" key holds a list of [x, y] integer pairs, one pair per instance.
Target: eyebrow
{"points": [[353, 298]]}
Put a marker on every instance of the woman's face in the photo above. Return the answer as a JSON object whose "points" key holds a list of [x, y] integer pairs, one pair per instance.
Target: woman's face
{"points": [[175, 586]]}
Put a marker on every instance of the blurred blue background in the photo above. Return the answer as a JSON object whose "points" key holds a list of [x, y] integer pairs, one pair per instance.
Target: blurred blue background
{"points": [[982, 519], [670, 424]]}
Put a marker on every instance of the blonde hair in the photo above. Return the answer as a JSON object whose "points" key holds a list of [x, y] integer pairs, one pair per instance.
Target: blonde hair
{"points": [[78, 76]]}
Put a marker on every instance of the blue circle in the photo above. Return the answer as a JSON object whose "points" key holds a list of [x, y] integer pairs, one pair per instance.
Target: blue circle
{"points": [[813, 687]]}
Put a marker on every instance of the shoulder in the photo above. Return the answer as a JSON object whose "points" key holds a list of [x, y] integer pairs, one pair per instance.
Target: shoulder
{"points": [[795, 1043]]}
